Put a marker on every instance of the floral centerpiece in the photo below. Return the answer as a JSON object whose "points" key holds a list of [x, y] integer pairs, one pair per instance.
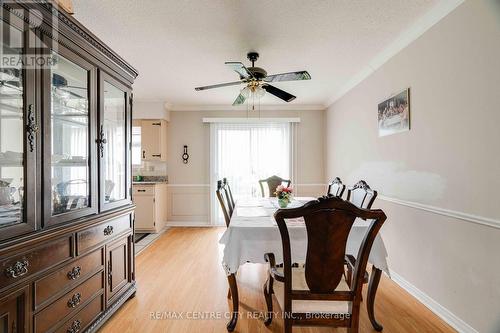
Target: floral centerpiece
{"points": [[284, 195]]}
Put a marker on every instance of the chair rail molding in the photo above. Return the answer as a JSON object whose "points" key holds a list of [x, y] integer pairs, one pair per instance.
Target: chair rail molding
{"points": [[490, 222]]}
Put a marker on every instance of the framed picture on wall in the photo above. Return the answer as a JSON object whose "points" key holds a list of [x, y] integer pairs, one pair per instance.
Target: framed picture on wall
{"points": [[394, 114]]}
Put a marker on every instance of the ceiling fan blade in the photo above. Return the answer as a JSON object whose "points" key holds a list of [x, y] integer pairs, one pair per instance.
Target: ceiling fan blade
{"points": [[239, 68], [239, 100], [278, 93], [292, 76], [218, 85]]}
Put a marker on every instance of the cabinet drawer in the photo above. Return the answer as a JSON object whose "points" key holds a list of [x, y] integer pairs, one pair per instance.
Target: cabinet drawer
{"points": [[35, 261], [69, 303], [70, 274], [143, 190], [83, 318], [91, 237]]}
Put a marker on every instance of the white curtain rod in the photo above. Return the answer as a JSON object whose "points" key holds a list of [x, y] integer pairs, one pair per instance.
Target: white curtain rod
{"points": [[251, 120]]}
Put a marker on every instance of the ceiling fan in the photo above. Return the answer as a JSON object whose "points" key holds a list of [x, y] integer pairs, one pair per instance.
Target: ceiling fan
{"points": [[257, 80]]}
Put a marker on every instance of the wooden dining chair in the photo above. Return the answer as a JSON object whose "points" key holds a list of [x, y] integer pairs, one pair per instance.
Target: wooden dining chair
{"points": [[272, 182], [361, 195], [229, 193], [336, 188], [316, 294], [223, 198]]}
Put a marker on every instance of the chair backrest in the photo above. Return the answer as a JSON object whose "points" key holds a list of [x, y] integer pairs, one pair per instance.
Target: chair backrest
{"points": [[361, 195], [328, 222], [229, 194], [223, 199], [272, 182], [336, 188]]}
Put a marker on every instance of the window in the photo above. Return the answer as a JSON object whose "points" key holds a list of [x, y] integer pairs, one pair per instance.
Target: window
{"points": [[244, 153], [136, 145]]}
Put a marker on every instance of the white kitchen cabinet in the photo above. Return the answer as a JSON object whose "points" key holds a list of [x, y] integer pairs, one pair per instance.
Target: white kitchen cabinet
{"points": [[150, 211], [153, 140]]}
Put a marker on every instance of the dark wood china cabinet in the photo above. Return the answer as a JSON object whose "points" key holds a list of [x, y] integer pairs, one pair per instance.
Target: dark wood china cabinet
{"points": [[66, 215]]}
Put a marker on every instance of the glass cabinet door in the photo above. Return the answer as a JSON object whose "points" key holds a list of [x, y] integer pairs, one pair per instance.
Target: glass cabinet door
{"points": [[114, 143], [69, 150], [18, 132]]}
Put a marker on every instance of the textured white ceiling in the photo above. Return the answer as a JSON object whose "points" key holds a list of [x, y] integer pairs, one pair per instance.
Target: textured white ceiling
{"points": [[177, 45]]}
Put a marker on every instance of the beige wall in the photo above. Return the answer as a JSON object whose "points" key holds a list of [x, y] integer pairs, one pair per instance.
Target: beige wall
{"points": [[441, 179], [189, 183]]}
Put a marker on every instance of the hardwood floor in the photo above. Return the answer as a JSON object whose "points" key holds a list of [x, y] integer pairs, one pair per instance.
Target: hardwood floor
{"points": [[181, 275]]}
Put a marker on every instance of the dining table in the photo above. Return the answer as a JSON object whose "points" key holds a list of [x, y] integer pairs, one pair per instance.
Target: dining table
{"points": [[252, 232]]}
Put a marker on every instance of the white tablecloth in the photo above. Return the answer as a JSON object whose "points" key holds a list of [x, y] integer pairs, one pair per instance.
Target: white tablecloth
{"points": [[253, 232]]}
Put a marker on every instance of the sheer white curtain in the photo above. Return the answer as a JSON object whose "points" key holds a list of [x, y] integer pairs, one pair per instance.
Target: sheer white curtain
{"points": [[246, 152]]}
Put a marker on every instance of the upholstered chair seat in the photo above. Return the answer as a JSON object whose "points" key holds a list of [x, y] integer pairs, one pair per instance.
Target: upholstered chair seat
{"points": [[309, 306]]}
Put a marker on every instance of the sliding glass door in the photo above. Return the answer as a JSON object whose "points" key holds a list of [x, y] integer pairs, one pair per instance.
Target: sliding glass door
{"points": [[244, 153]]}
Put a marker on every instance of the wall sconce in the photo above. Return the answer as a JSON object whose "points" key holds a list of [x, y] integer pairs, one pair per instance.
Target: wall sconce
{"points": [[185, 156]]}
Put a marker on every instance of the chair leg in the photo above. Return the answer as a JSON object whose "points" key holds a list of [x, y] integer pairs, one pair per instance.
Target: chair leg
{"points": [[354, 328], [229, 293], [349, 275], [372, 291], [288, 325], [268, 295], [234, 295]]}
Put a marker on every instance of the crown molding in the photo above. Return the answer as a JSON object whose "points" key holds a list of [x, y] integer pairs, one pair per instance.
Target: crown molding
{"points": [[271, 107], [405, 38], [251, 120], [149, 100]]}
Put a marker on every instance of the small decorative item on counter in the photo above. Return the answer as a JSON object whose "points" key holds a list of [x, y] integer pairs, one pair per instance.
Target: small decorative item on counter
{"points": [[284, 195], [138, 178]]}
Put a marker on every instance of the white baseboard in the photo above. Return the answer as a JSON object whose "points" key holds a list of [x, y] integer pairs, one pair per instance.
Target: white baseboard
{"points": [[190, 224], [445, 314]]}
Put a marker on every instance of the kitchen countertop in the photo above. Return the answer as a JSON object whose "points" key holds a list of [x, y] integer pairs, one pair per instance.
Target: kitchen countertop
{"points": [[149, 183]]}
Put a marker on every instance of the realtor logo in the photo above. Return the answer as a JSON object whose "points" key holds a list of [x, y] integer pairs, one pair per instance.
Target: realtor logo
{"points": [[23, 45]]}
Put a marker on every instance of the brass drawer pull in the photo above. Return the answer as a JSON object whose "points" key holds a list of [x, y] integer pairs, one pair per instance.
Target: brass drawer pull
{"points": [[75, 327], [74, 301], [20, 268], [108, 230], [74, 273]]}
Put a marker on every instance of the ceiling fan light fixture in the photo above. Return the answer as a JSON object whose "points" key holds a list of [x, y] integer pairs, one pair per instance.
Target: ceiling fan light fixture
{"points": [[246, 92], [257, 81], [253, 91], [259, 92]]}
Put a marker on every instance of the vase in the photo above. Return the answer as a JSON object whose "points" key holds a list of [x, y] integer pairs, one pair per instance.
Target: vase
{"points": [[283, 203]]}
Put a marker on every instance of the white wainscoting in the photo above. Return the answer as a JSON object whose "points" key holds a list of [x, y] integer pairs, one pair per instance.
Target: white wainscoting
{"points": [[188, 205]]}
